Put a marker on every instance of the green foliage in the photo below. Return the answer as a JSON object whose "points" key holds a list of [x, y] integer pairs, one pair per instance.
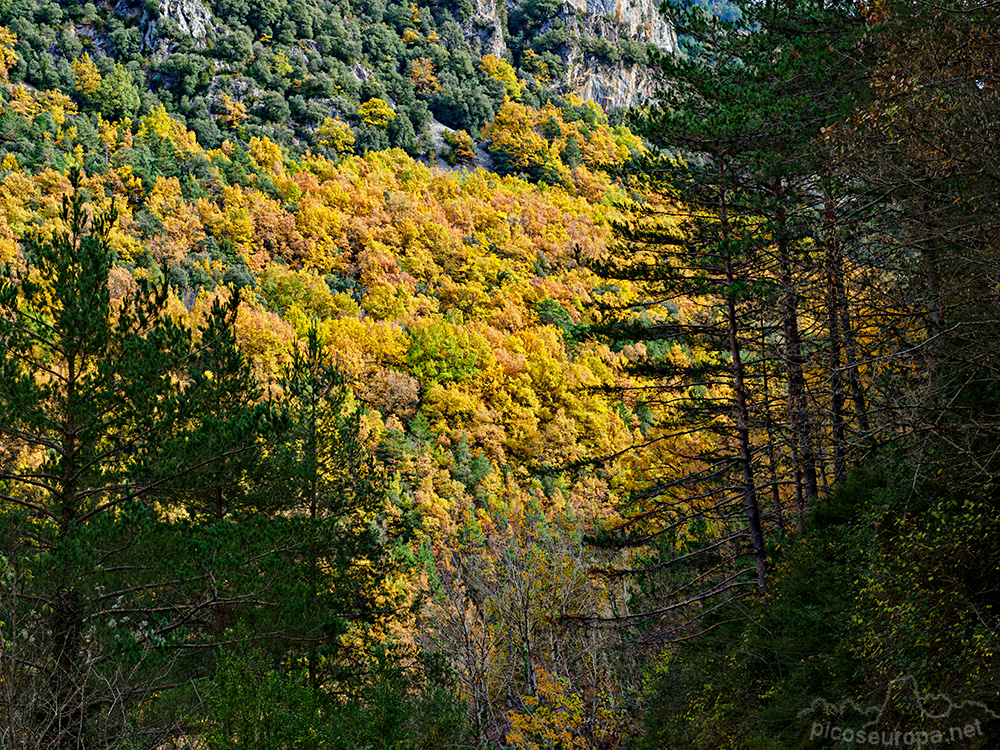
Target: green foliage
{"points": [[146, 509], [746, 680], [882, 584], [289, 49], [256, 705], [128, 393], [441, 352], [272, 107], [239, 276], [460, 148], [928, 610], [552, 313]]}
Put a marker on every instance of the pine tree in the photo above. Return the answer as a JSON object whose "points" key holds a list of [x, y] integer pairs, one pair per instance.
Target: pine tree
{"points": [[338, 486], [101, 401], [926, 148], [723, 251]]}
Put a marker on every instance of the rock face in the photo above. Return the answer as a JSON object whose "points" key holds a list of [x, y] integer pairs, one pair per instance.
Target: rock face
{"points": [[608, 81], [191, 16], [610, 86], [486, 25], [640, 19], [604, 79]]}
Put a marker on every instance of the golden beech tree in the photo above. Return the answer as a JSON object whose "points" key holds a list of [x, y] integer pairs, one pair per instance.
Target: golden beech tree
{"points": [[8, 57], [376, 112], [501, 70], [88, 79], [422, 74], [552, 718], [337, 135]]}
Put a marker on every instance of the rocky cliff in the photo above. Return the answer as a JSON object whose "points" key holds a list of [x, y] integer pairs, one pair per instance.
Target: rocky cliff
{"points": [[595, 32], [639, 19], [611, 86], [599, 29], [192, 18], [487, 26]]}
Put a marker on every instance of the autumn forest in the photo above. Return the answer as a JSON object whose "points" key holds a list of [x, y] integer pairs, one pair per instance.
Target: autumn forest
{"points": [[366, 383]]}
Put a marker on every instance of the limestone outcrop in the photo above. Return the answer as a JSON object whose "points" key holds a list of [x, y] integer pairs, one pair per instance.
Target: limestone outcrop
{"points": [[612, 80]]}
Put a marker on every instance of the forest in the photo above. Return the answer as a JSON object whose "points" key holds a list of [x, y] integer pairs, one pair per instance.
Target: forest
{"points": [[674, 428]]}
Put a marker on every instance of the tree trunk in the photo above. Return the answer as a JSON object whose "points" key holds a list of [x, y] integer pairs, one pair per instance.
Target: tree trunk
{"points": [[772, 461], [834, 275], [853, 373], [802, 439], [739, 388], [66, 621]]}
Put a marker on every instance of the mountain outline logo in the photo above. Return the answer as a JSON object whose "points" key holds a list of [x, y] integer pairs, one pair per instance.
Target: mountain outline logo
{"points": [[922, 700]]}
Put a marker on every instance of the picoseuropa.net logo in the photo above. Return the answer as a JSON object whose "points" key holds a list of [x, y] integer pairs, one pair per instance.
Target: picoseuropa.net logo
{"points": [[941, 721]]}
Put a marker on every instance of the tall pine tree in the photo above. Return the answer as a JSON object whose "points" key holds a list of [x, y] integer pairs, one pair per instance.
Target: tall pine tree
{"points": [[104, 571], [725, 252]]}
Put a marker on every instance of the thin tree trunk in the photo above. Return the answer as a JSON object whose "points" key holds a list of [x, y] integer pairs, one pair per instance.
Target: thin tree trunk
{"points": [[772, 461], [66, 622], [739, 387], [834, 272], [851, 353], [312, 452], [802, 441], [935, 315], [932, 277], [841, 328], [220, 512]]}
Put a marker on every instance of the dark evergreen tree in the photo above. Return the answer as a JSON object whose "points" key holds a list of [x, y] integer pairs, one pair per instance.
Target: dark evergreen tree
{"points": [[102, 400], [729, 238], [337, 484]]}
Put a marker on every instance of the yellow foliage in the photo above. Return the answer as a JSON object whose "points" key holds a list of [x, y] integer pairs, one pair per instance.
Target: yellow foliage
{"points": [[283, 287], [376, 112], [8, 57], [444, 275], [181, 221], [450, 407], [31, 103], [336, 134], [280, 64], [501, 70], [22, 102], [9, 246], [88, 79], [159, 124], [535, 65], [266, 340], [513, 132], [461, 149], [422, 75], [355, 345], [266, 154], [386, 302], [234, 112], [552, 718]]}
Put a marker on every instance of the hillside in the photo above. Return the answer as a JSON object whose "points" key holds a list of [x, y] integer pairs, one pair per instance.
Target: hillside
{"points": [[235, 70], [369, 379], [452, 303]]}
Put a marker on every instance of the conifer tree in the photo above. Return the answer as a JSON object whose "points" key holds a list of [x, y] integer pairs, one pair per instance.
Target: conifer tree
{"points": [[339, 487], [102, 571], [724, 251]]}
